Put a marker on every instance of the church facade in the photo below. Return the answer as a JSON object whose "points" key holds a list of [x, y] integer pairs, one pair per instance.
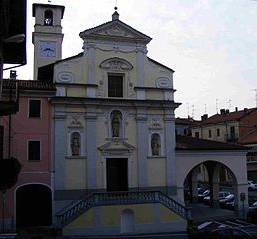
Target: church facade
{"points": [[113, 164], [113, 130]]}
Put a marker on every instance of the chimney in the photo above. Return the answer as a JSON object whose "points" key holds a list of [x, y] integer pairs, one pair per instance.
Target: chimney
{"points": [[227, 111], [236, 109], [204, 117], [222, 111], [13, 75]]}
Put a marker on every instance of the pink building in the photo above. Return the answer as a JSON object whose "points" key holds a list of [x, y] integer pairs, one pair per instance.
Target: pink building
{"points": [[27, 137]]}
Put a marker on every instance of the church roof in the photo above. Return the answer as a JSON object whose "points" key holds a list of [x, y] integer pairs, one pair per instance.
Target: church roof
{"points": [[192, 143], [115, 29]]}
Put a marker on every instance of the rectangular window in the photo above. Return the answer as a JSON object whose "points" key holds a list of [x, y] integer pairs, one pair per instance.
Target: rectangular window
{"points": [[33, 150], [209, 133], [34, 108], [115, 86], [232, 132], [218, 132], [197, 134]]}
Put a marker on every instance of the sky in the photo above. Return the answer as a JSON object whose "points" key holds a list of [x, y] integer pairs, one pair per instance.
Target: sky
{"points": [[210, 44]]}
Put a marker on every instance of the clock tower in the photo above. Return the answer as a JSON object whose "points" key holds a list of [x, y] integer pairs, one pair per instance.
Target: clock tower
{"points": [[47, 36]]}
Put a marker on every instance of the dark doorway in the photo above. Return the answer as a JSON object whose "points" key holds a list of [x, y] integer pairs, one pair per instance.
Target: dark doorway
{"points": [[117, 174], [33, 206]]}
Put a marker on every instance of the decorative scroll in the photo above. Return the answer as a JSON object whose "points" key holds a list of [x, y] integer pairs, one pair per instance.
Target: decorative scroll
{"points": [[65, 77], [116, 64], [163, 82]]}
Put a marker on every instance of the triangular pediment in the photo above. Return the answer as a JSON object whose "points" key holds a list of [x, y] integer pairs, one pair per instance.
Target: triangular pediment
{"points": [[116, 147], [115, 29]]}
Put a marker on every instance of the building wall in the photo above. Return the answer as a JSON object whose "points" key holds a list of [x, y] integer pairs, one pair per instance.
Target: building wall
{"points": [[223, 128], [247, 124], [150, 218], [235, 161], [22, 129]]}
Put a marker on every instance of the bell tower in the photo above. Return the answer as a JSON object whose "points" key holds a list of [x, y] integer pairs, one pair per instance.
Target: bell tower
{"points": [[47, 36]]}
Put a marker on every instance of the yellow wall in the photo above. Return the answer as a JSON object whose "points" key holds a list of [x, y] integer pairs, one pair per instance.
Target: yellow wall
{"points": [[111, 215], [167, 215], [156, 171], [75, 173]]}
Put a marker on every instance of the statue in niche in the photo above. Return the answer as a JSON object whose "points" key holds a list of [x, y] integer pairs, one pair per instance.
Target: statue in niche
{"points": [[155, 145], [115, 122], [75, 146]]}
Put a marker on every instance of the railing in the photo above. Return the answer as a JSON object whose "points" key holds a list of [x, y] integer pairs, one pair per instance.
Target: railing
{"points": [[72, 211]]}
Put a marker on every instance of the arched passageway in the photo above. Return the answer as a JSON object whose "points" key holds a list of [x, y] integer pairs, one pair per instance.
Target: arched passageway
{"points": [[212, 176], [33, 206]]}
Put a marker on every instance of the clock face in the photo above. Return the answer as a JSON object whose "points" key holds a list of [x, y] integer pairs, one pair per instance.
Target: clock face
{"points": [[47, 49]]}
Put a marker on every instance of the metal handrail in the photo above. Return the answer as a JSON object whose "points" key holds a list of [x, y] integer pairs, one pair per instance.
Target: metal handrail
{"points": [[67, 215]]}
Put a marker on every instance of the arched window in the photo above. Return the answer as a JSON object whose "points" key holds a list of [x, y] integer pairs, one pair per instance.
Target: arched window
{"points": [[75, 144], [48, 20], [116, 123], [155, 144]]}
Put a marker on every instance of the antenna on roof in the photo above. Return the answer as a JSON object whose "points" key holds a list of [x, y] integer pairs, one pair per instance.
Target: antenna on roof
{"points": [[116, 6], [255, 96], [217, 108], [229, 104], [188, 109], [193, 111]]}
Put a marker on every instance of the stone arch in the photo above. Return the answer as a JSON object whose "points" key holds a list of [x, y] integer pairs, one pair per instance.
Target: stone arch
{"points": [[207, 175], [33, 205], [238, 188]]}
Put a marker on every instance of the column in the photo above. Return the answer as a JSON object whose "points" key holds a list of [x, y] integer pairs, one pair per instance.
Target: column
{"points": [[170, 143], [91, 148]]}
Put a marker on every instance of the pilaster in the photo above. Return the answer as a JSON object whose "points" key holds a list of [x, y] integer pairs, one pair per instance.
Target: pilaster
{"points": [[142, 143], [59, 145], [91, 148], [170, 142]]}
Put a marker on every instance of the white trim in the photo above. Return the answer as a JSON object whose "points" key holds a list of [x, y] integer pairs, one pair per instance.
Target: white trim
{"points": [[129, 168]]}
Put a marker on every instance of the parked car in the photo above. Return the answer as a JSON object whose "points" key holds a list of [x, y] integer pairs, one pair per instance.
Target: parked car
{"points": [[222, 195], [224, 201], [253, 205], [200, 196], [230, 205], [252, 185], [230, 233], [222, 232]]}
